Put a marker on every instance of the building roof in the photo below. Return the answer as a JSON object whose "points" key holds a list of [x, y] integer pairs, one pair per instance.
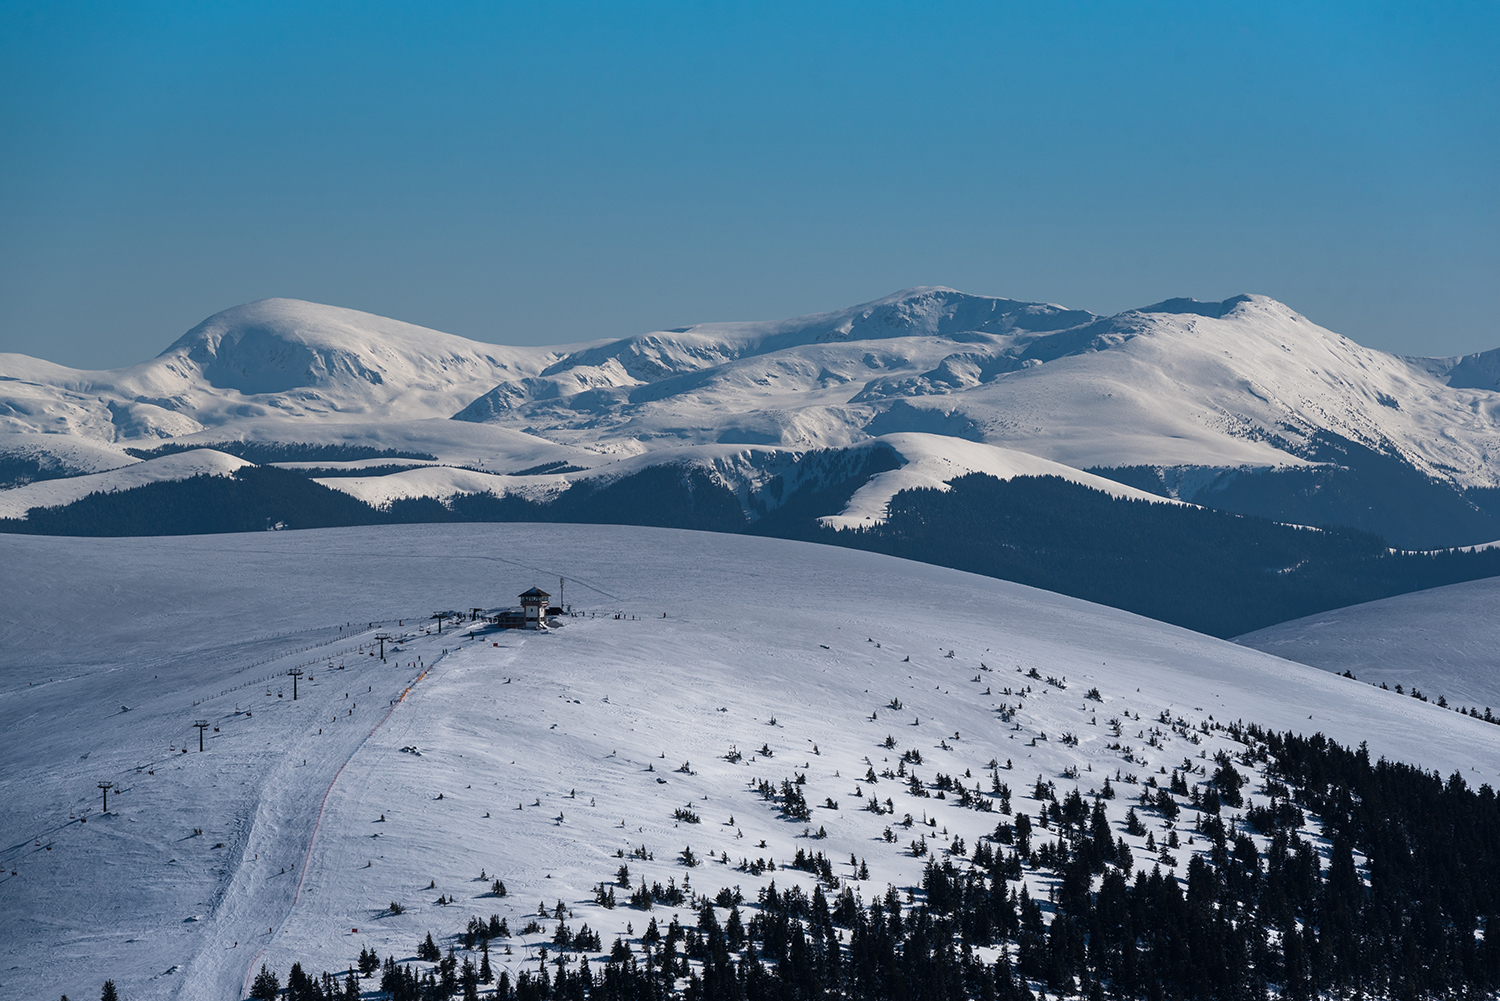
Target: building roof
{"points": [[535, 592]]}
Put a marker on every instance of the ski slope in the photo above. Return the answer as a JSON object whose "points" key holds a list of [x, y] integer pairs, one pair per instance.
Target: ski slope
{"points": [[536, 758]]}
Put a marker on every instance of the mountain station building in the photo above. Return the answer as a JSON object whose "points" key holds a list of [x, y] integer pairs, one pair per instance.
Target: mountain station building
{"points": [[534, 608]]}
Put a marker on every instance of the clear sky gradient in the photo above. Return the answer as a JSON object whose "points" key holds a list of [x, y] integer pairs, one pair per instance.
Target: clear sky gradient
{"points": [[549, 172]]}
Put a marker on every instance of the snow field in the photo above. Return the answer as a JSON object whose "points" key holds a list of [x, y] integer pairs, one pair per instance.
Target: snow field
{"points": [[582, 728], [1441, 641]]}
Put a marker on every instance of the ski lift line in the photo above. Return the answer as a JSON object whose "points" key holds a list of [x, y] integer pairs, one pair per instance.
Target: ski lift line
{"points": [[207, 649], [318, 820], [277, 674]]}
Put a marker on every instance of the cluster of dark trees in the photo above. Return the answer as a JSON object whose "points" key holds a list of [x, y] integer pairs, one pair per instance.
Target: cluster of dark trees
{"points": [[1433, 848], [257, 498], [301, 987], [19, 469], [254, 499], [1398, 901]]}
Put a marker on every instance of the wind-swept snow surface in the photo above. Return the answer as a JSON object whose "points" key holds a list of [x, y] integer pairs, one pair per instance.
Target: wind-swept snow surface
{"points": [[696, 665]]}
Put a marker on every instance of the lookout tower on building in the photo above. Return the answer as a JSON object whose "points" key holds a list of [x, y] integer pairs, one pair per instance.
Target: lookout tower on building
{"points": [[534, 607]]}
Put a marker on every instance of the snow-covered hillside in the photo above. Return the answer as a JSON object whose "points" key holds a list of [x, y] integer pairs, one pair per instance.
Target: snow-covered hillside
{"points": [[698, 666], [15, 502], [1442, 641], [1194, 388], [933, 461]]}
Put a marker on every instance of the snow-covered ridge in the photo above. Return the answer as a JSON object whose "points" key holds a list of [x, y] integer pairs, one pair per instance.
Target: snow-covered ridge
{"points": [[1244, 382], [1441, 641], [932, 462]]}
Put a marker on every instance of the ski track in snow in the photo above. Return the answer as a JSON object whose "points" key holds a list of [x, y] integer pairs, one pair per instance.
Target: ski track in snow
{"points": [[190, 984], [535, 749]]}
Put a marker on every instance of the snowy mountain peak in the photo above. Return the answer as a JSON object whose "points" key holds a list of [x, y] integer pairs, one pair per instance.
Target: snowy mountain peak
{"points": [[278, 345], [281, 358], [938, 311], [1214, 310]]}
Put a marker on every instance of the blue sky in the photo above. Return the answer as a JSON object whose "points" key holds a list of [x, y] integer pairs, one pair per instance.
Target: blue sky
{"points": [[538, 173]]}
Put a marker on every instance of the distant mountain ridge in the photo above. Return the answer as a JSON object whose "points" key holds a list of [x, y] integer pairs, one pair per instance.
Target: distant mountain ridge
{"points": [[1242, 404]]}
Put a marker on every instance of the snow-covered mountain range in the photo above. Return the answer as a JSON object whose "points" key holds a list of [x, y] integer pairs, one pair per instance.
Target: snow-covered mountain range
{"points": [[699, 665], [1204, 401]]}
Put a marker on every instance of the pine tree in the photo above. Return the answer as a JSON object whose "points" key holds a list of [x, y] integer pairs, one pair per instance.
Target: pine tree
{"points": [[109, 993], [265, 987], [485, 973], [297, 983]]}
